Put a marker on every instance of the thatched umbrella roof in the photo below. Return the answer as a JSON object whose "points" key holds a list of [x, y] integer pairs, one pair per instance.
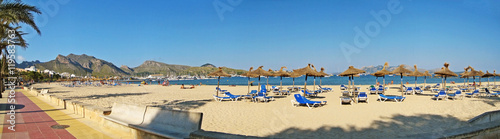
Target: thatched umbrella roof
{"points": [[308, 71], [446, 71], [351, 71], [282, 73], [377, 75], [260, 72], [401, 70], [474, 73], [248, 74], [219, 73], [383, 71], [488, 74], [416, 73], [426, 73], [294, 75], [494, 72]]}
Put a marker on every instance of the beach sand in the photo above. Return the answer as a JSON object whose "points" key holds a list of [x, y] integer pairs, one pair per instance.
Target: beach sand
{"points": [[279, 119]]}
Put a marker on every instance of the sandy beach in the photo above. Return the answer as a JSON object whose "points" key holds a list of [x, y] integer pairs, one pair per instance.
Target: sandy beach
{"points": [[279, 119]]}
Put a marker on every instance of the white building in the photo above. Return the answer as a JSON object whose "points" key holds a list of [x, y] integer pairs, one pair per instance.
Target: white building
{"points": [[32, 68]]}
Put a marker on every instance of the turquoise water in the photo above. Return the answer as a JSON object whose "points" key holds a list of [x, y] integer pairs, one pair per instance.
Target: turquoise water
{"points": [[333, 80]]}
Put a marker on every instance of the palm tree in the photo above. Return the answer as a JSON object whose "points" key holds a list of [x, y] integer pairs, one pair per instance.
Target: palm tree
{"points": [[11, 15]]}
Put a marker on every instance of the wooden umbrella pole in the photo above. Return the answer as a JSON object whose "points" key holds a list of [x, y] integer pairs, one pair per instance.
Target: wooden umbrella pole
{"points": [[402, 93], [218, 81]]}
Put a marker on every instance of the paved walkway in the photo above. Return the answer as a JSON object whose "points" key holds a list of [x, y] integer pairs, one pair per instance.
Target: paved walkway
{"points": [[35, 119]]}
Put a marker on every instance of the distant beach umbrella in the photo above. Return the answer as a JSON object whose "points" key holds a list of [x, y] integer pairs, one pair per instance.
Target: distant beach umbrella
{"points": [[294, 75], [464, 75], [281, 74], [219, 73], [481, 76], [249, 75], [488, 75], [495, 78], [351, 71], [317, 74], [446, 73], [271, 75], [322, 74], [426, 74], [416, 74], [260, 72], [401, 70], [383, 72], [473, 73], [307, 71], [376, 77]]}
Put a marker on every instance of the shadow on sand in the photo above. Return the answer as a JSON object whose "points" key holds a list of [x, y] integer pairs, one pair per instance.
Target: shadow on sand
{"points": [[182, 104], [398, 126], [107, 95]]}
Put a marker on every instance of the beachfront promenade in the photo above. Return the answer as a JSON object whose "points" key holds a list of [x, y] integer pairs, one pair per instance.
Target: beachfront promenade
{"points": [[38, 119]]}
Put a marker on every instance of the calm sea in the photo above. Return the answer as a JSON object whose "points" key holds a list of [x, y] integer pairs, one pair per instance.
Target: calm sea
{"points": [[333, 80]]}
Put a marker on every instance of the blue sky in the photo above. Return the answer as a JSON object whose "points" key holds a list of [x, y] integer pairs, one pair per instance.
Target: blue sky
{"points": [[271, 33]]}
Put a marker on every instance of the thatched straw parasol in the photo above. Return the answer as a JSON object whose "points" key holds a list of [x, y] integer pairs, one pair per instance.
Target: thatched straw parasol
{"points": [[401, 70], [260, 72], [249, 75], [322, 74], [416, 74], [495, 78], [282, 74], [351, 71], [294, 75], [306, 71], [446, 73], [464, 75], [488, 75], [383, 72], [317, 74], [426, 74], [271, 75], [219, 73]]}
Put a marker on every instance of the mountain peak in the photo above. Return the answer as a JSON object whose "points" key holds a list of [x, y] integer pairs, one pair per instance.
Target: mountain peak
{"points": [[208, 65]]}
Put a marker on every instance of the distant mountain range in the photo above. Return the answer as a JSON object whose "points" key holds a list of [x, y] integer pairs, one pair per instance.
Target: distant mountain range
{"points": [[373, 69], [89, 65]]}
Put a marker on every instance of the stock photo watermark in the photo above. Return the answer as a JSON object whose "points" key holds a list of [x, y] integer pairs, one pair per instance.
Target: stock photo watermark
{"points": [[362, 38], [10, 83], [223, 7]]}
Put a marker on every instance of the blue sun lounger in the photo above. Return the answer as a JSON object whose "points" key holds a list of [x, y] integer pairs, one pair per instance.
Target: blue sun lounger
{"points": [[383, 98], [325, 88], [441, 95], [373, 90], [309, 94], [262, 97], [223, 98], [362, 97], [456, 95], [301, 100], [342, 87], [418, 90], [492, 94], [236, 97], [473, 94]]}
